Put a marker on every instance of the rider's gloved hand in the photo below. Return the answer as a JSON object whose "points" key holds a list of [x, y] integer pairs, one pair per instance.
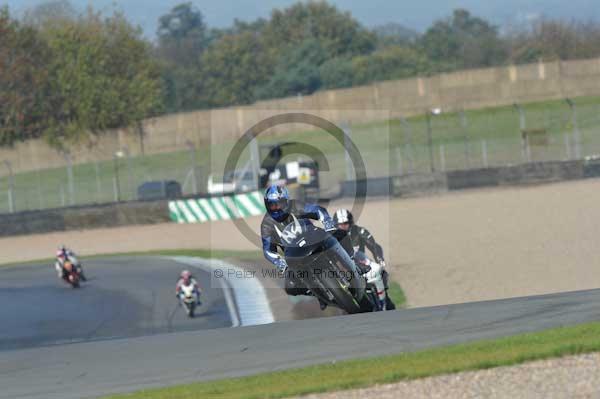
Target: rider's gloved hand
{"points": [[339, 234], [381, 262], [281, 266], [329, 225]]}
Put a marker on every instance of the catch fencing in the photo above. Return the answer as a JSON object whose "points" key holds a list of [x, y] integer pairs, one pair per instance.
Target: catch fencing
{"points": [[439, 141]]}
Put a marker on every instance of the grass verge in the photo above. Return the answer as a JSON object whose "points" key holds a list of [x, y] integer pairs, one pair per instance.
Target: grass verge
{"points": [[396, 293], [351, 374]]}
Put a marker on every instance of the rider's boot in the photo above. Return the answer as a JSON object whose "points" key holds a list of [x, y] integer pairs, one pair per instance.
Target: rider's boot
{"points": [[59, 270], [322, 304], [364, 269], [389, 304], [81, 275]]}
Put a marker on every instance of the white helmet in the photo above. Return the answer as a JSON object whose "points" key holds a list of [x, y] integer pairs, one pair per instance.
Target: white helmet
{"points": [[343, 216]]}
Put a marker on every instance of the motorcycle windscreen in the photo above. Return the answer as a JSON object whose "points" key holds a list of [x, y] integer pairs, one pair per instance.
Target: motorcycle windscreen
{"points": [[303, 256], [302, 233], [297, 254]]}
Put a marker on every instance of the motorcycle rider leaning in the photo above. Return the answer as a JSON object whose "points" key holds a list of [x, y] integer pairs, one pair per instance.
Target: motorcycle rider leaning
{"points": [[356, 239], [280, 209], [186, 278], [62, 255]]}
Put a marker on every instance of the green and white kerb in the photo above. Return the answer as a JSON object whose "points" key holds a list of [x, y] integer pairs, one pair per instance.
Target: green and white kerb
{"points": [[217, 208]]}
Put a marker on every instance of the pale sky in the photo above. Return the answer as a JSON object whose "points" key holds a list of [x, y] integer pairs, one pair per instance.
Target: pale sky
{"points": [[417, 15]]}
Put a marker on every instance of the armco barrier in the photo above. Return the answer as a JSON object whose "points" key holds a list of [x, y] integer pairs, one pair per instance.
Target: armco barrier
{"points": [[419, 184], [109, 215], [251, 204], [472, 178], [405, 185], [532, 173], [216, 208], [591, 169], [379, 186], [540, 172]]}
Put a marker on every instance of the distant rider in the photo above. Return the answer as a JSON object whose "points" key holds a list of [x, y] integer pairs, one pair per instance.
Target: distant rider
{"points": [[280, 209], [64, 254], [357, 239], [186, 279]]}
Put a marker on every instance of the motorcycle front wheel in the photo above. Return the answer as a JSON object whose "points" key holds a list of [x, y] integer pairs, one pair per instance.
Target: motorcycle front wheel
{"points": [[340, 291], [191, 310]]}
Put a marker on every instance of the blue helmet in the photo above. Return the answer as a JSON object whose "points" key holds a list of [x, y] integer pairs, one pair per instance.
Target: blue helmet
{"points": [[277, 195]]}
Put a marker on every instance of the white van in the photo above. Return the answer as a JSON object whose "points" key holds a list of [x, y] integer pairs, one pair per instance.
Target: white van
{"points": [[239, 181]]}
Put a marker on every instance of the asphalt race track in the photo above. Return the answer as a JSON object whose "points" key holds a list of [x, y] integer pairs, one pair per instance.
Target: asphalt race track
{"points": [[125, 297], [109, 366]]}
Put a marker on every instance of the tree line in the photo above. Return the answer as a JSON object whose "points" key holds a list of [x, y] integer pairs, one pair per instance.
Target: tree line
{"points": [[66, 75]]}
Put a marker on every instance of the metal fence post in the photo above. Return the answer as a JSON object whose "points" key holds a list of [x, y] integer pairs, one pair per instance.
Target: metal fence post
{"points": [[399, 161], [522, 126], [408, 144], [192, 149], [98, 184], [116, 182], [576, 133], [463, 124], [484, 153], [70, 179], [129, 173], [11, 187], [430, 141], [255, 159], [62, 196], [347, 138], [39, 190], [442, 158]]}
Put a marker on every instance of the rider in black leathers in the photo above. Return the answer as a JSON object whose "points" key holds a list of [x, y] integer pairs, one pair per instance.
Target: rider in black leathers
{"points": [[356, 238], [280, 209]]}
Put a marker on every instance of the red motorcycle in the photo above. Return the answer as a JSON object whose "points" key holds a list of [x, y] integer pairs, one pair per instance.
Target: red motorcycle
{"points": [[71, 274]]}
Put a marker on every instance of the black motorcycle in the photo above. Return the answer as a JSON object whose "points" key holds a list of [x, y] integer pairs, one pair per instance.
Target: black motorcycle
{"points": [[319, 261]]}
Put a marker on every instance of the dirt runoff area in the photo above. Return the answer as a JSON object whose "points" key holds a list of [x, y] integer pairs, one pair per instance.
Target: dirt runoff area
{"points": [[456, 247]]}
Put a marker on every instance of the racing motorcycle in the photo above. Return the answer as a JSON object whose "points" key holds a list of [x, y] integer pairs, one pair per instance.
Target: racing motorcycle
{"points": [[77, 264], [71, 274], [314, 256], [187, 298], [375, 286]]}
